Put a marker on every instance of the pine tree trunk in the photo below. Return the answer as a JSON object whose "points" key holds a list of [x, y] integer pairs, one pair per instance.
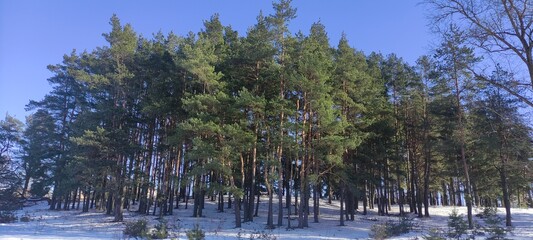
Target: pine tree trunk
{"points": [[426, 181], [252, 176], [287, 184], [289, 200], [237, 202], [220, 201], [109, 204], [365, 198], [93, 200], [26, 184], [201, 201], [529, 196], [74, 198], [270, 214], [196, 194], [143, 201], [505, 191], [119, 194], [400, 192], [67, 202], [387, 186], [303, 192], [371, 196], [54, 195], [256, 213], [316, 196], [329, 190], [445, 200], [86, 200], [237, 212], [475, 191], [452, 195], [187, 194], [414, 187], [342, 207], [280, 181], [296, 203]]}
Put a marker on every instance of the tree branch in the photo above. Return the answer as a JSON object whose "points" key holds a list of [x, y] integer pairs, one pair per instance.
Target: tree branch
{"points": [[504, 87]]}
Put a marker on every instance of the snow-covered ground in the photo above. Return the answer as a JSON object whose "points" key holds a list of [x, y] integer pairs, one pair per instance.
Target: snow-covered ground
{"points": [[73, 224]]}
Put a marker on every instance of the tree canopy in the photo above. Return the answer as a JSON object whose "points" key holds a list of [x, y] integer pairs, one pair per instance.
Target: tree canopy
{"points": [[152, 123]]}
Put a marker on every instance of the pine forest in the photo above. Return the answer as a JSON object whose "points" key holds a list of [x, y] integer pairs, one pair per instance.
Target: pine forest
{"points": [[156, 124]]}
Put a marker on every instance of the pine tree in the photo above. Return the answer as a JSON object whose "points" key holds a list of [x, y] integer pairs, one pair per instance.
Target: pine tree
{"points": [[500, 131], [10, 138], [455, 61], [279, 21], [108, 77], [250, 75], [64, 103], [312, 75], [204, 106], [428, 75], [38, 152], [354, 91]]}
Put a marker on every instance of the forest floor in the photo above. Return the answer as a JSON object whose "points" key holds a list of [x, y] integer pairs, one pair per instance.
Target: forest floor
{"points": [[73, 224]]}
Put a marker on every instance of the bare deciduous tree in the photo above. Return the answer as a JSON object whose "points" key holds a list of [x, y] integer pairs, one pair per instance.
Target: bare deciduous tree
{"points": [[503, 29]]}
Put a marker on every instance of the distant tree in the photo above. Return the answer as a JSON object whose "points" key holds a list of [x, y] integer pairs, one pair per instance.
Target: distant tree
{"points": [[92, 160], [39, 152], [10, 137]]}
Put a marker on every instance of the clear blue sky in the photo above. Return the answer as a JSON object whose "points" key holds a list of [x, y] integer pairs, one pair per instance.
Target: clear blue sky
{"points": [[34, 34]]}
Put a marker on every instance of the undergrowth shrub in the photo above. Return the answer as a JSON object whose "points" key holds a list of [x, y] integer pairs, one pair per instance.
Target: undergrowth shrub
{"points": [[25, 218], [457, 226], [379, 231], [161, 230], [493, 224], [391, 228], [137, 229], [196, 233], [7, 217], [263, 235], [434, 234]]}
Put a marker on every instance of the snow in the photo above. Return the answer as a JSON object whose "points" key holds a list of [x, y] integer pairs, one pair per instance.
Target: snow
{"points": [[73, 224]]}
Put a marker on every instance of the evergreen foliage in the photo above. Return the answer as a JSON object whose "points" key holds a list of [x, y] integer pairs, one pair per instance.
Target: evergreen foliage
{"points": [[493, 224], [391, 228], [164, 122], [457, 226], [137, 229], [10, 180], [196, 233]]}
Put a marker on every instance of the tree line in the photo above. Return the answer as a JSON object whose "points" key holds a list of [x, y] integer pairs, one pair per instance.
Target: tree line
{"points": [[160, 123]]}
